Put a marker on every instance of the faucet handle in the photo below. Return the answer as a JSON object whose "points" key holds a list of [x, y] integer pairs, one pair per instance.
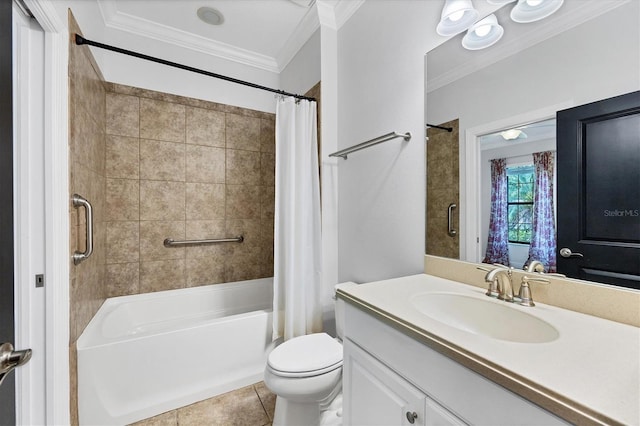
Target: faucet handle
{"points": [[525, 296], [492, 291]]}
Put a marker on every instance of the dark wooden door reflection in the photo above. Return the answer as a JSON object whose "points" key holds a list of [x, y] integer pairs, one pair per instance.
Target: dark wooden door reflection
{"points": [[599, 191]]}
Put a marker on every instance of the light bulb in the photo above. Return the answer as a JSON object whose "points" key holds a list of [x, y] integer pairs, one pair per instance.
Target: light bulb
{"points": [[483, 30], [534, 3], [456, 16]]}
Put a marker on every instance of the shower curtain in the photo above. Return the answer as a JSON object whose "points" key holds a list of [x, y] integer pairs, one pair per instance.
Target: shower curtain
{"points": [[297, 244]]}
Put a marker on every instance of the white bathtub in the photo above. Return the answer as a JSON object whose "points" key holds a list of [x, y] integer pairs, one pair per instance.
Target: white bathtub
{"points": [[145, 354]]}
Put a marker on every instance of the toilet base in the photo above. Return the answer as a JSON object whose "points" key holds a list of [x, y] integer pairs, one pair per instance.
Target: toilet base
{"points": [[326, 413]]}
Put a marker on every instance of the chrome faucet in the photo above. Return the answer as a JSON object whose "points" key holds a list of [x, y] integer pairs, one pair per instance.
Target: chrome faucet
{"points": [[500, 280], [535, 266]]}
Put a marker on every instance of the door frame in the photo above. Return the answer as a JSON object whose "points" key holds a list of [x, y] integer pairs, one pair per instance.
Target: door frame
{"points": [[56, 175], [470, 186], [28, 207]]}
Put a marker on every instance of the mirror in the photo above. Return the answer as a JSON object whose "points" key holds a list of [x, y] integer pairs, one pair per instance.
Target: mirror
{"points": [[587, 51]]}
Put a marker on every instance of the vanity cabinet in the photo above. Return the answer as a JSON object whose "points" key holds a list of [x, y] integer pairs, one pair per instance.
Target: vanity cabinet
{"points": [[390, 378], [378, 396]]}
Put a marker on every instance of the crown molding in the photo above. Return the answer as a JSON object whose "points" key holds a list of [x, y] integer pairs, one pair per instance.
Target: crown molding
{"points": [[303, 32], [545, 31], [335, 13], [117, 20], [345, 9]]}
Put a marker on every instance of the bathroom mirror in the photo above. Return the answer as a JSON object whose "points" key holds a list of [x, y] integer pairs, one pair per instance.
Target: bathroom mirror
{"points": [[587, 51]]}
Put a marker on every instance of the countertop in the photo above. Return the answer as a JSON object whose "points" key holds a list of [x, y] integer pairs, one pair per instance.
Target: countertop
{"points": [[591, 373]]}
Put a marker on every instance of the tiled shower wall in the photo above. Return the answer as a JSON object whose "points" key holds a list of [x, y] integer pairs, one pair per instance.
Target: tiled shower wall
{"points": [[182, 168], [442, 190], [86, 178]]}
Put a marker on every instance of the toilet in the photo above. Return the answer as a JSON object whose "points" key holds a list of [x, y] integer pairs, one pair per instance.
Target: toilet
{"points": [[305, 373]]}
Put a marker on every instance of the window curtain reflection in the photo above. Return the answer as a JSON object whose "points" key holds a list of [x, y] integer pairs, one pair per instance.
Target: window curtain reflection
{"points": [[498, 242], [543, 235]]}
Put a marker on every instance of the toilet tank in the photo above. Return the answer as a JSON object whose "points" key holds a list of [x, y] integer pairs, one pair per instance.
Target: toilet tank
{"points": [[339, 310]]}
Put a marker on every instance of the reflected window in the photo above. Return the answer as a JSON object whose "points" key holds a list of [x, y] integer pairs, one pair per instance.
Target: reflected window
{"points": [[520, 202]]}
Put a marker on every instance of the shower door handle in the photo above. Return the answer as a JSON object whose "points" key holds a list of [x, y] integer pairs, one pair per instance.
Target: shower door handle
{"points": [[452, 232], [79, 201]]}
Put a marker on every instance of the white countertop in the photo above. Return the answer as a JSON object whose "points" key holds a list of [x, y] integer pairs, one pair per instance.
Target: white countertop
{"points": [[594, 363]]}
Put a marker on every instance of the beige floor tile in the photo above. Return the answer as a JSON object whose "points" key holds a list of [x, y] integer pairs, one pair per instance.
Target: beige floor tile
{"points": [[267, 398], [165, 419], [238, 408]]}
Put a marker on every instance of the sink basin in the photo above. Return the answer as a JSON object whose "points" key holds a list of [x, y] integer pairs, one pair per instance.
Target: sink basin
{"points": [[485, 317]]}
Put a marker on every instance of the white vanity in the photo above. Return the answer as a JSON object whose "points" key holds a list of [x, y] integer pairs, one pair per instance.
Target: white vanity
{"points": [[429, 351]]}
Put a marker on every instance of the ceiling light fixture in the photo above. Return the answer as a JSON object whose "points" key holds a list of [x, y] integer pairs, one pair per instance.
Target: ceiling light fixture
{"points": [[534, 10], [483, 34], [512, 134], [457, 16], [210, 15]]}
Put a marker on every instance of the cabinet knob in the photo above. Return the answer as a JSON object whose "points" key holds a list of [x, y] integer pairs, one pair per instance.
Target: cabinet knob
{"points": [[412, 416]]}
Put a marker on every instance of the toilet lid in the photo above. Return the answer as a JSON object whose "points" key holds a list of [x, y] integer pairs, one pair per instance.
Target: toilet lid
{"points": [[307, 354]]}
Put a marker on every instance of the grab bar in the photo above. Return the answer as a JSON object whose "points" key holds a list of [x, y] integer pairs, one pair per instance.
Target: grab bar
{"points": [[343, 153], [172, 243], [452, 232], [79, 201]]}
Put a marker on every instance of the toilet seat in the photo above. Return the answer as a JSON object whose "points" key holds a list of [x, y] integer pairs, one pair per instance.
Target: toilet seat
{"points": [[306, 356]]}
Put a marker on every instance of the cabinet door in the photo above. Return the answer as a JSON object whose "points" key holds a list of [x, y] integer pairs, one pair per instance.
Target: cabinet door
{"points": [[375, 395], [437, 415]]}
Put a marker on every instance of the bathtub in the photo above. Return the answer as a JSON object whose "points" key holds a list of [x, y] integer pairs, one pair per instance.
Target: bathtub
{"points": [[145, 354]]}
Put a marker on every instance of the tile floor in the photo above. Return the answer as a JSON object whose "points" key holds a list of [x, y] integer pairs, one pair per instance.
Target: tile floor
{"points": [[249, 406]]}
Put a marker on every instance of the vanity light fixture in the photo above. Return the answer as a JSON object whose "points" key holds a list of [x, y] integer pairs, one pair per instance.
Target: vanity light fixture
{"points": [[534, 10], [210, 15], [483, 34], [457, 16], [512, 134], [460, 15]]}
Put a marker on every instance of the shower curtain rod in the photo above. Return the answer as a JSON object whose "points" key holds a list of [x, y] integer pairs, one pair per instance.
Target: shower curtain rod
{"points": [[81, 40], [448, 129]]}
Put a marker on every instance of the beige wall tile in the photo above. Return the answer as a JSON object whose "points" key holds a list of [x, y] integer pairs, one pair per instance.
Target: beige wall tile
{"points": [[205, 164], [205, 270], [122, 200], [243, 132], [163, 121], [122, 279], [207, 229], [267, 169], [122, 157], [242, 270], [160, 200], [152, 236], [268, 135], [243, 167], [161, 275], [205, 127], [205, 201], [268, 203], [123, 242], [162, 160], [123, 115], [243, 202], [250, 249]]}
